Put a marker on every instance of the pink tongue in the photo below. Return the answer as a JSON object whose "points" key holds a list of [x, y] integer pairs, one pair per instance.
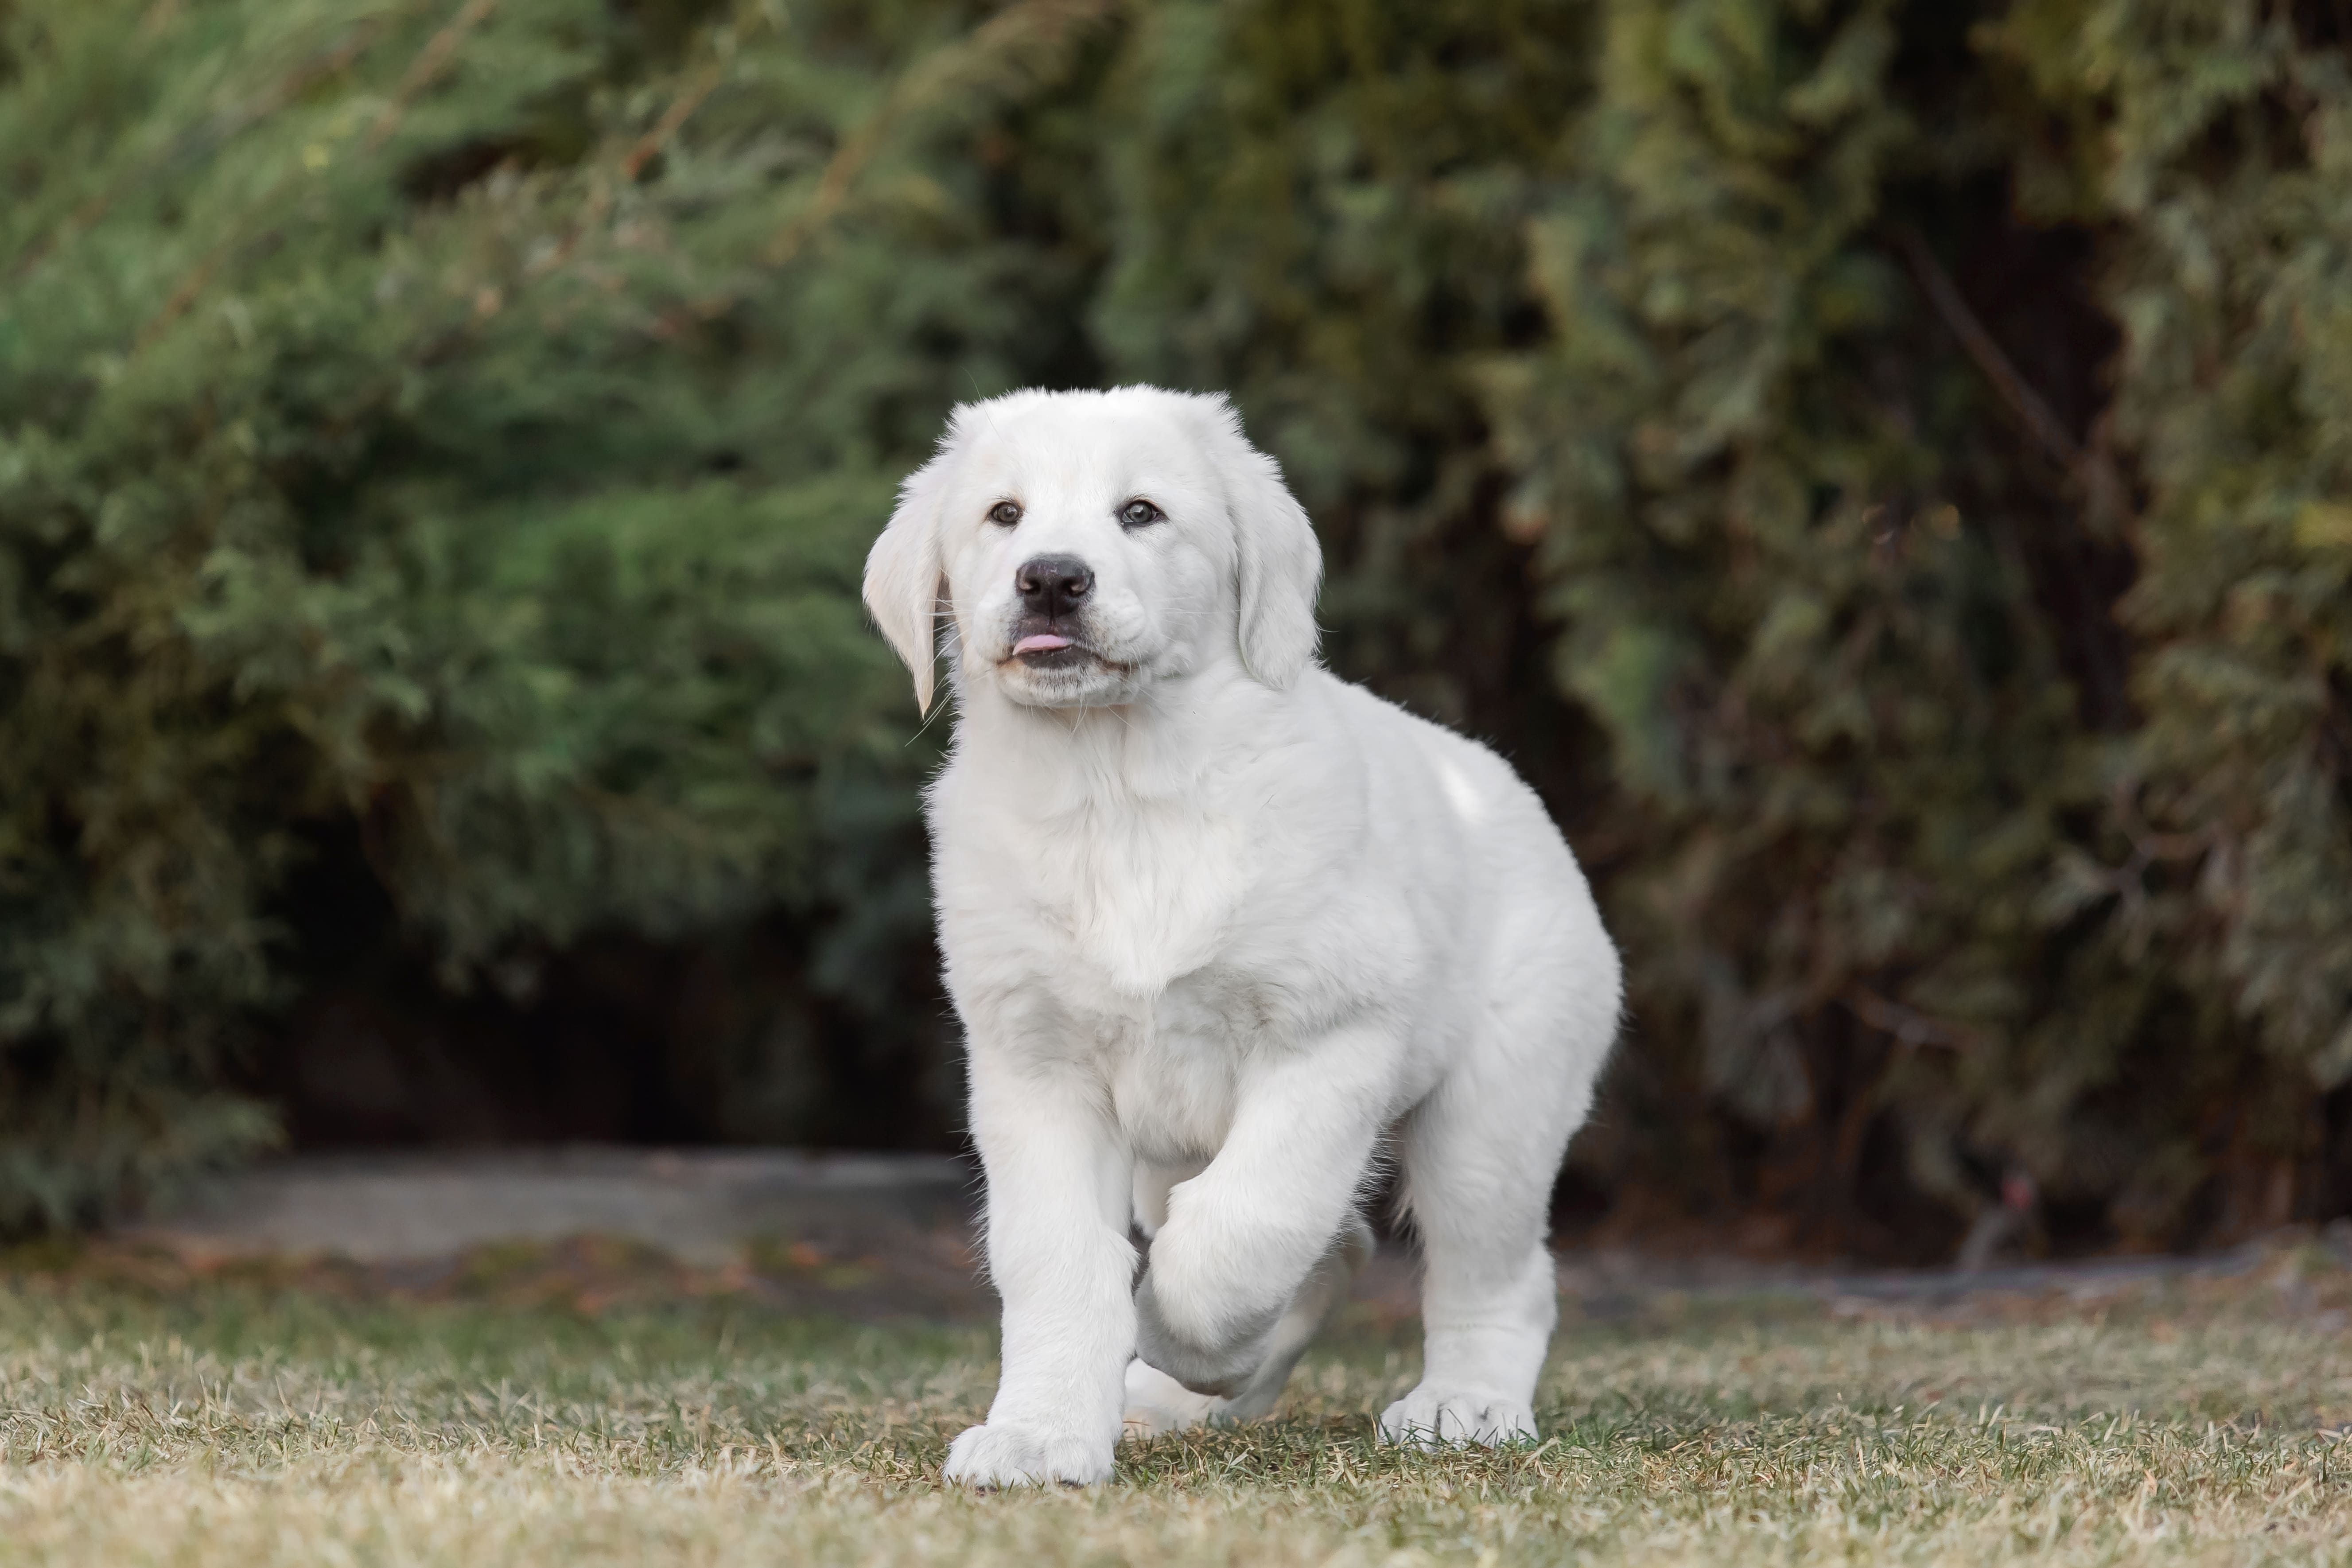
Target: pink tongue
{"points": [[1040, 642]]}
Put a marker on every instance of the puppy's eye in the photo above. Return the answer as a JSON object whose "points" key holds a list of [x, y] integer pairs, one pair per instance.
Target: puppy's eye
{"points": [[1141, 513], [1005, 513]]}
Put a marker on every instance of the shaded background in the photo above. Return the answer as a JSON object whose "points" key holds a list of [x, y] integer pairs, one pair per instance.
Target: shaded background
{"points": [[1879, 469]]}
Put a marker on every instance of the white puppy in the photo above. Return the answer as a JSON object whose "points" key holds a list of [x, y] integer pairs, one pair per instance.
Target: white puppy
{"points": [[1222, 929]]}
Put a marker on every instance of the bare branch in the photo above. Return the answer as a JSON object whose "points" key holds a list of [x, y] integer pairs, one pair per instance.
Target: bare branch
{"points": [[2089, 466]]}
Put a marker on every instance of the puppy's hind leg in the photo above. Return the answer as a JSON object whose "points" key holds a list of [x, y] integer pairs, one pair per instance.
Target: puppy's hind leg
{"points": [[1157, 1403], [1479, 1157]]}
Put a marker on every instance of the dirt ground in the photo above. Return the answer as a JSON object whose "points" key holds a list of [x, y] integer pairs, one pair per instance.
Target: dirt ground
{"points": [[868, 1238]]}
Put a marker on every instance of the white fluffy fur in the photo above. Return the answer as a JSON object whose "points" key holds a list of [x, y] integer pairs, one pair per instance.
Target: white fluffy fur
{"points": [[1221, 929]]}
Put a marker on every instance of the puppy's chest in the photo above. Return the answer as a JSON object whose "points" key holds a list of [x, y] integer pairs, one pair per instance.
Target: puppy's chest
{"points": [[1140, 895], [1174, 1068], [1151, 908]]}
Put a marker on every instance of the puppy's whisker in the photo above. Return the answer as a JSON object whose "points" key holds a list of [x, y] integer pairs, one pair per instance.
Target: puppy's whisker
{"points": [[937, 708]]}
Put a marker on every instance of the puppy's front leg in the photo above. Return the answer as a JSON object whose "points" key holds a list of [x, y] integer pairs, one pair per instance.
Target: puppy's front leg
{"points": [[1242, 1236], [1059, 1183]]}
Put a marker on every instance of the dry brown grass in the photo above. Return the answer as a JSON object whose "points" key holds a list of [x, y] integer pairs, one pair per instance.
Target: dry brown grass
{"points": [[159, 1417]]}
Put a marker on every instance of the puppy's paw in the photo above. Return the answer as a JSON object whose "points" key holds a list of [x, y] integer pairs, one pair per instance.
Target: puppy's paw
{"points": [[1224, 1367], [1007, 1454], [1449, 1418], [1157, 1404]]}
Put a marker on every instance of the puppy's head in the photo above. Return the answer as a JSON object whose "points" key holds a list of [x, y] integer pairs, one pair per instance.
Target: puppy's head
{"points": [[1088, 544]]}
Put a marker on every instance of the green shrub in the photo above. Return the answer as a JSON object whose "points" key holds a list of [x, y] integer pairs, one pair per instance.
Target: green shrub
{"points": [[402, 423], [1878, 348], [1875, 464]]}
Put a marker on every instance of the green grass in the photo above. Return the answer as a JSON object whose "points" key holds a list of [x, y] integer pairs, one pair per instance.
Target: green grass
{"points": [[202, 1423]]}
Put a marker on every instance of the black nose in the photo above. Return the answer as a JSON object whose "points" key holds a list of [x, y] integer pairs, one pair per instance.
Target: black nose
{"points": [[1052, 585]]}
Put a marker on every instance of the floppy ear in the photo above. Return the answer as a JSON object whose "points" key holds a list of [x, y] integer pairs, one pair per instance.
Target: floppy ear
{"points": [[1278, 562], [902, 577]]}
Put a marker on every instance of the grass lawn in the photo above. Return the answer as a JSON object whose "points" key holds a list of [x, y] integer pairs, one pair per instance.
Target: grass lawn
{"points": [[204, 1420]]}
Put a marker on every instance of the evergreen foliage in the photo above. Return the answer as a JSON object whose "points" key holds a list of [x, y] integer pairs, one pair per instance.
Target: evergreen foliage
{"points": [[2224, 181], [403, 425], [1879, 466]]}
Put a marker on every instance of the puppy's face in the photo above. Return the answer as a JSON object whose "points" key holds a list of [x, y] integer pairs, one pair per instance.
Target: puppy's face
{"points": [[1086, 553], [1088, 545]]}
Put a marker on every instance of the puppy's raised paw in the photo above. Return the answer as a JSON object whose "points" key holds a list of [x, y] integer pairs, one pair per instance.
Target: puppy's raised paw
{"points": [[1452, 1419], [1000, 1454], [1222, 1367]]}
